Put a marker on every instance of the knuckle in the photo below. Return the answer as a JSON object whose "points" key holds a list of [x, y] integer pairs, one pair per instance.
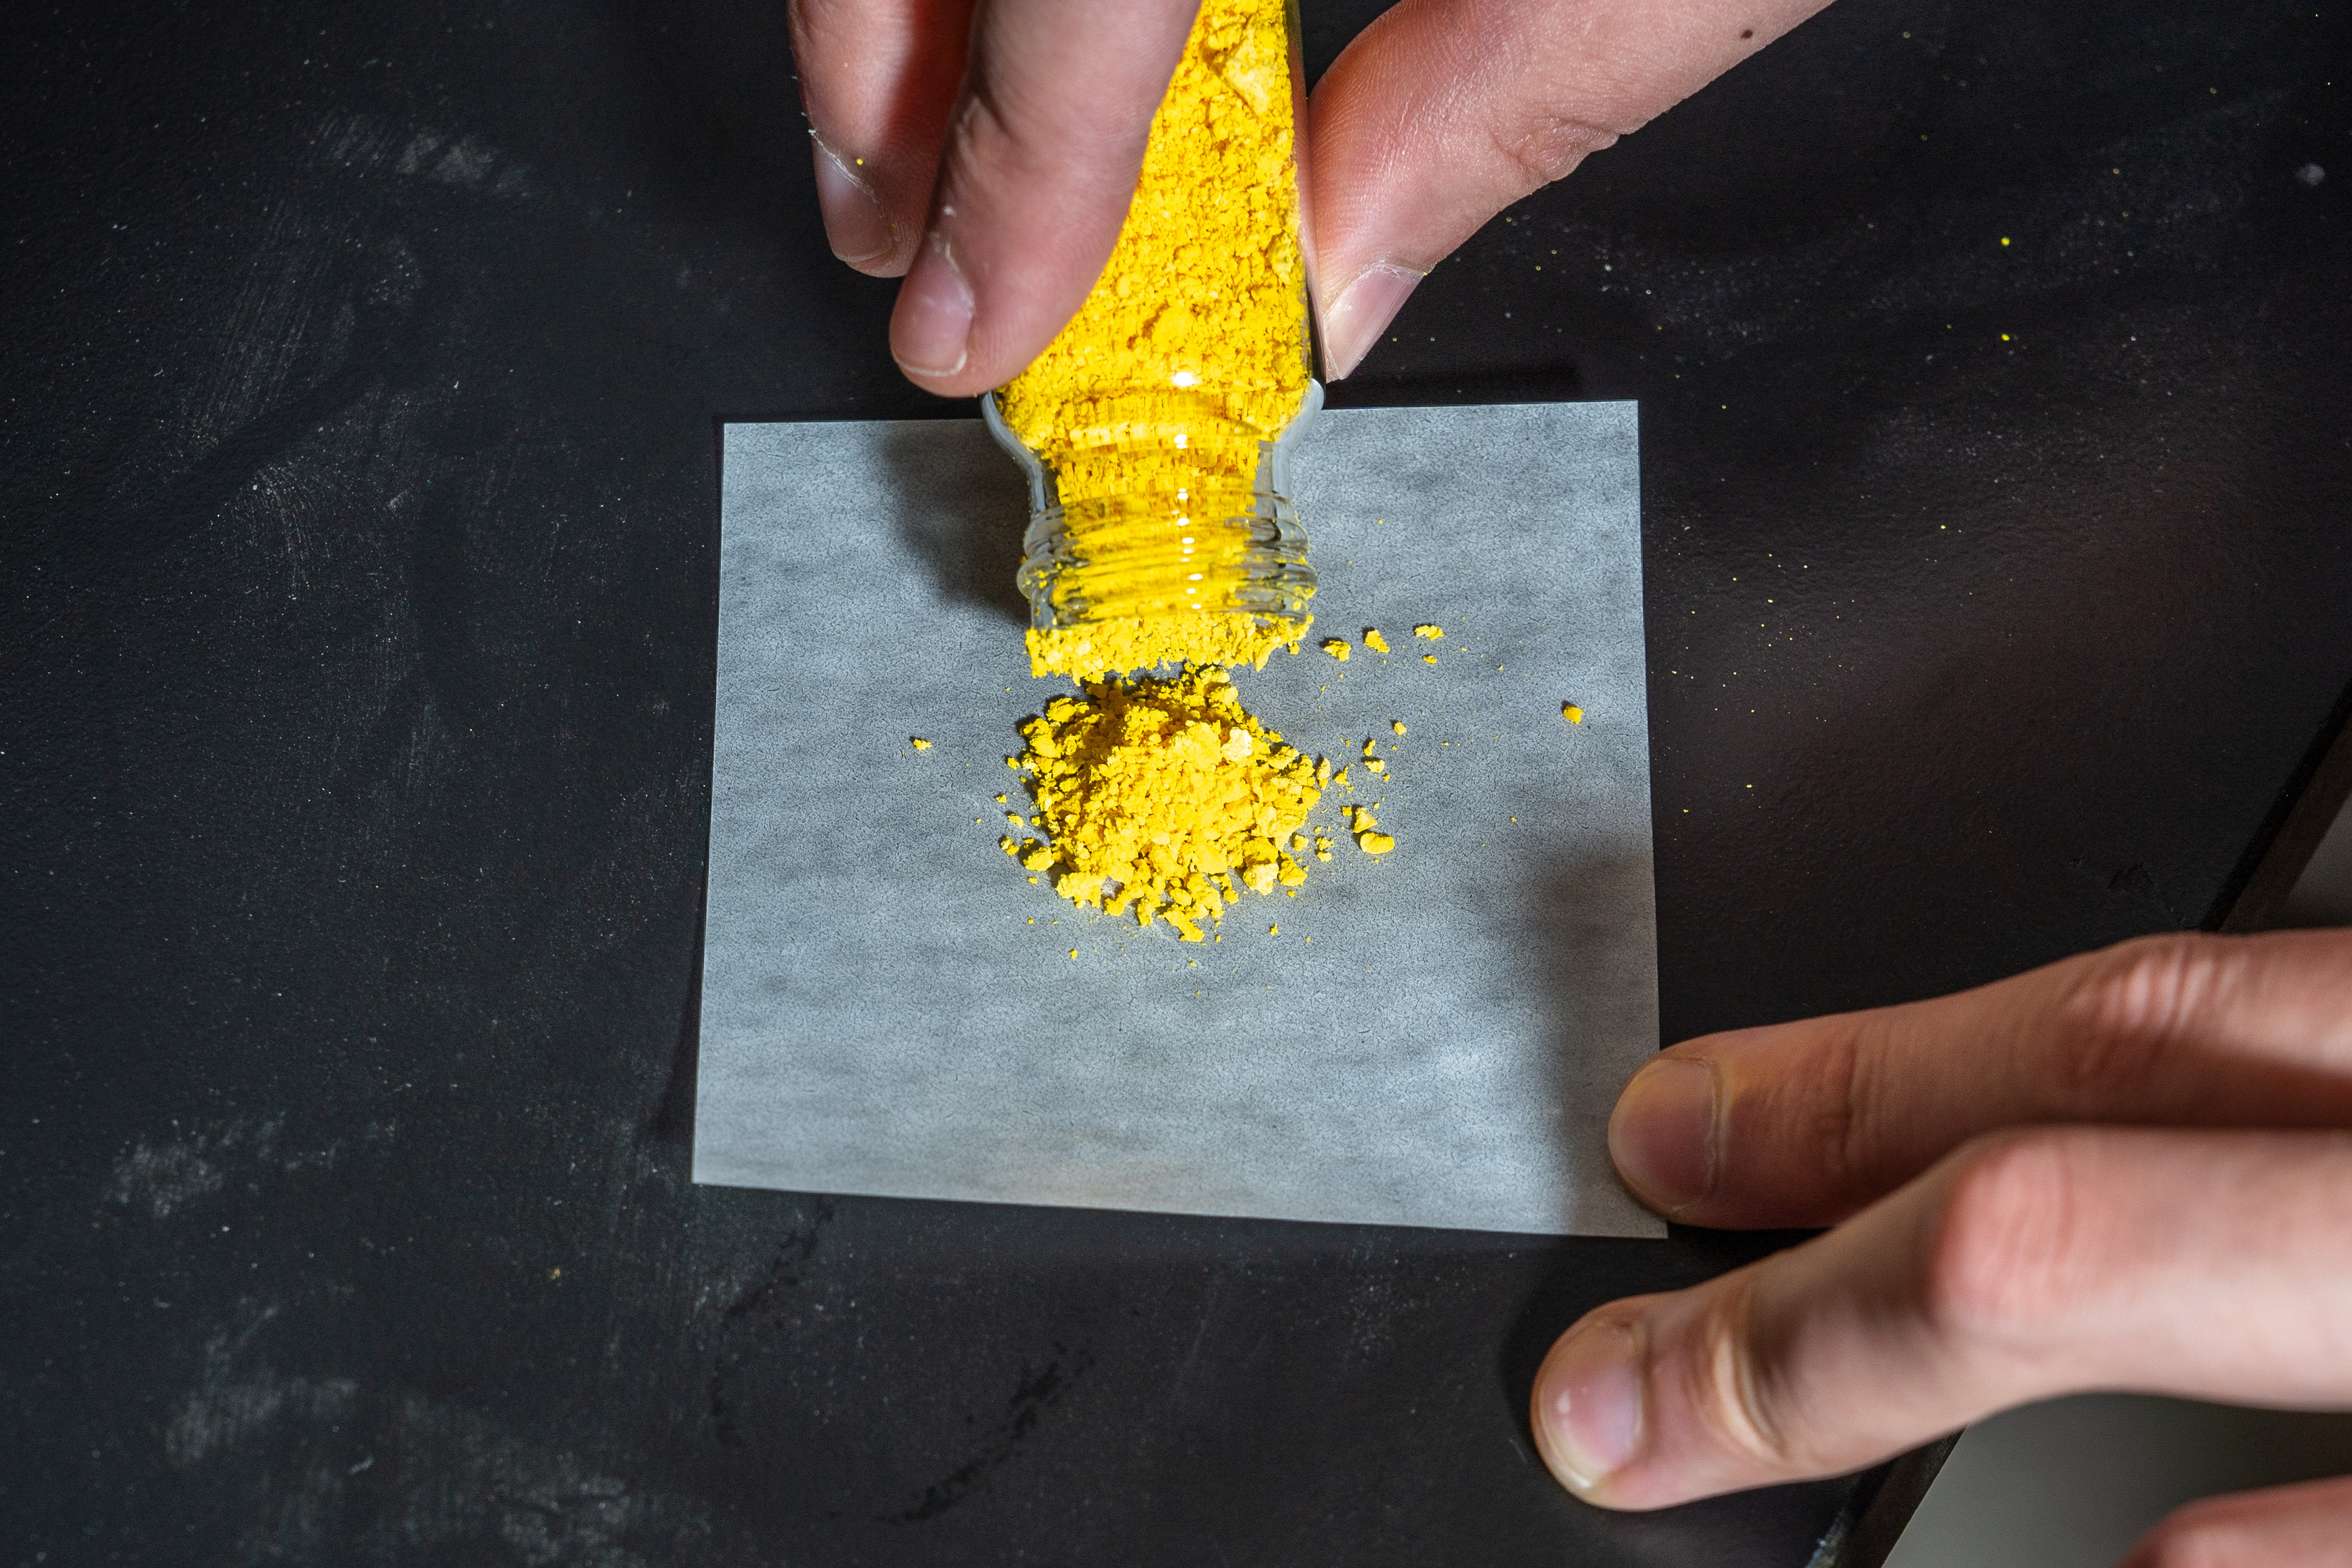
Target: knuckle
{"points": [[1546, 147], [1846, 1130], [2132, 1007], [2193, 1537], [1732, 1382], [2006, 1258]]}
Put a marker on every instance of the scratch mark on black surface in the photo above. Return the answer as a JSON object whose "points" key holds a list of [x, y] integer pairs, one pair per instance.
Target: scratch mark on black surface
{"points": [[783, 1274], [797, 1248], [1032, 1396]]}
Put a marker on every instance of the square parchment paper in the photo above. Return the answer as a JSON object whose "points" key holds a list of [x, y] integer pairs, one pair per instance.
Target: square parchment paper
{"points": [[1435, 1036]]}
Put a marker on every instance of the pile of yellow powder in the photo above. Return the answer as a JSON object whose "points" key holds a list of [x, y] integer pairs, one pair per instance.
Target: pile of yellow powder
{"points": [[1150, 408], [1161, 795]]}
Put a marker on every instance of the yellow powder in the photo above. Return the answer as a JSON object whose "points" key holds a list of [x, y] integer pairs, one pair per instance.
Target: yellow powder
{"points": [[1151, 408], [918, 743], [1373, 640], [1572, 712], [1396, 724], [1428, 630], [1337, 648], [1162, 796]]}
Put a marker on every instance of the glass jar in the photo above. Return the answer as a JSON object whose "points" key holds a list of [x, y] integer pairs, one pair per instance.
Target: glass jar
{"points": [[1157, 429]]}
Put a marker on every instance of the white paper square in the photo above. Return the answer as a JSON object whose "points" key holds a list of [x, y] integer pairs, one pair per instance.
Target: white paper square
{"points": [[880, 1013]]}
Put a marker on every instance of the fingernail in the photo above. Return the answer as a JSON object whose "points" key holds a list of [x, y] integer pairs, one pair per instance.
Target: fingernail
{"points": [[1662, 1134], [854, 224], [1355, 320], [931, 333], [1588, 1405]]}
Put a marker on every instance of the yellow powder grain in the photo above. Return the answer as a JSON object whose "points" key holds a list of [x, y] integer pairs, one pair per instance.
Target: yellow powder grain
{"points": [[1427, 629], [1373, 640], [918, 743], [1429, 659], [1161, 795], [1374, 843], [1337, 648], [1572, 712], [1152, 406], [1396, 724]]}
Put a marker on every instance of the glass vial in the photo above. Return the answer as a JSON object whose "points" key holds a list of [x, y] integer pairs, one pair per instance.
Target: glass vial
{"points": [[1157, 429]]}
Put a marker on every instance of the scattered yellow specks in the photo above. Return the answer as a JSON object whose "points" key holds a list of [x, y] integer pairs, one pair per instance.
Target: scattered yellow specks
{"points": [[1373, 640], [1274, 930], [1371, 748], [1397, 725], [1339, 647], [919, 743], [1429, 659], [1374, 843], [1572, 712], [1430, 631]]}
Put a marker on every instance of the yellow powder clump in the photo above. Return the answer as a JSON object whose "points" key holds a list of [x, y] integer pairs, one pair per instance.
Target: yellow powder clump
{"points": [[1337, 648], [1151, 408], [1572, 712], [1373, 640], [1161, 795], [1430, 631]]}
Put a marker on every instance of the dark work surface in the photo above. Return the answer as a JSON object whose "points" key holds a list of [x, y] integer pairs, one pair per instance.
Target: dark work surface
{"points": [[359, 489]]}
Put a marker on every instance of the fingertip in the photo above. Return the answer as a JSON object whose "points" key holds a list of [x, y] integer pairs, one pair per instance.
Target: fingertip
{"points": [[856, 225], [1663, 1133], [930, 330], [1587, 1405], [1353, 321]]}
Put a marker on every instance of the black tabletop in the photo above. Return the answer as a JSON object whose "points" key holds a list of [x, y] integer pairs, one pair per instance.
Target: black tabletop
{"points": [[363, 364]]}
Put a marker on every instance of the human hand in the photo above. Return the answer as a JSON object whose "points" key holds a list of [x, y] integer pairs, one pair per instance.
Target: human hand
{"points": [[2130, 1170], [987, 150]]}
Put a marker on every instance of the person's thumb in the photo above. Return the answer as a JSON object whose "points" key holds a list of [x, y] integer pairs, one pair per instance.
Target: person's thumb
{"points": [[1444, 112]]}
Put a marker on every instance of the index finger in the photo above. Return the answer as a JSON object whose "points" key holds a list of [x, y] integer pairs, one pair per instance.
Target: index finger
{"points": [[1043, 150], [1803, 1123]]}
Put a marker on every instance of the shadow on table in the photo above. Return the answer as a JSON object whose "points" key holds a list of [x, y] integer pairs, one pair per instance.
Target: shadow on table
{"points": [[959, 503]]}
